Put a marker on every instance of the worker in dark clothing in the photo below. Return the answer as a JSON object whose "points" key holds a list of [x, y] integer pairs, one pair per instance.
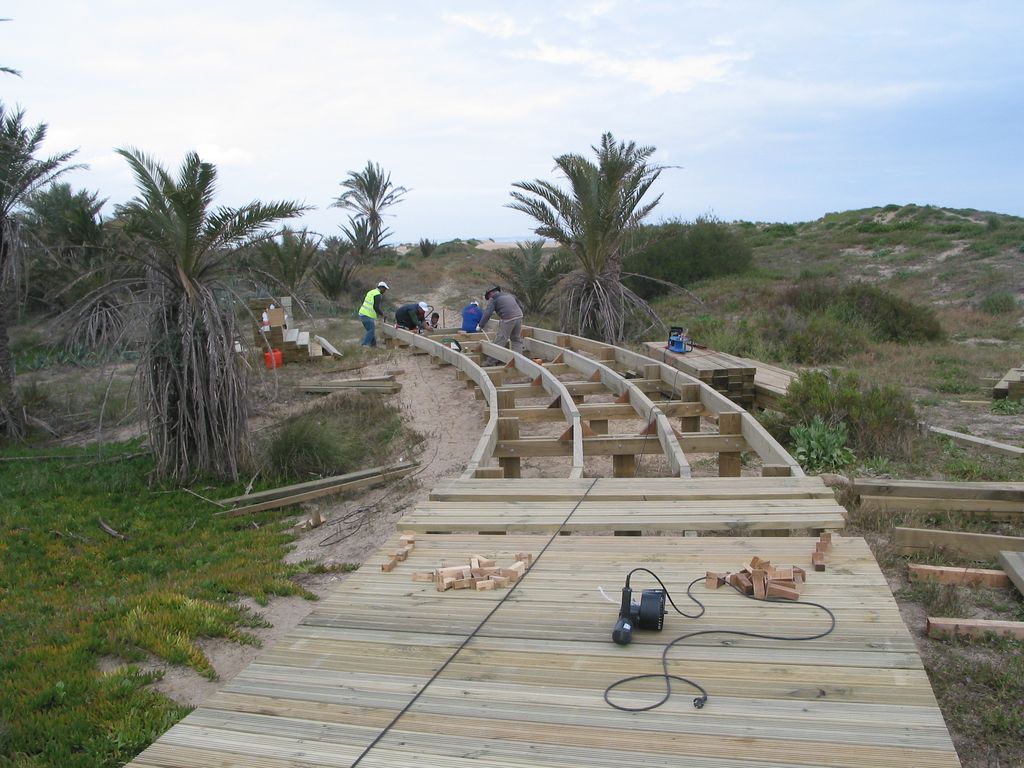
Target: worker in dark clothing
{"points": [[412, 316], [510, 316], [373, 307]]}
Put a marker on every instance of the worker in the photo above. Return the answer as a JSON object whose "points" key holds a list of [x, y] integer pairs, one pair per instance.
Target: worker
{"points": [[435, 321], [471, 315], [412, 316], [510, 315], [373, 308]]}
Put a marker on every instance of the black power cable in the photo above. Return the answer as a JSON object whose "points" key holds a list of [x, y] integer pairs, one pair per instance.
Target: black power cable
{"points": [[667, 677]]}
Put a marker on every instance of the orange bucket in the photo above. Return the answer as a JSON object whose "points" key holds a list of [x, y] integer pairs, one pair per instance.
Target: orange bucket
{"points": [[273, 358]]}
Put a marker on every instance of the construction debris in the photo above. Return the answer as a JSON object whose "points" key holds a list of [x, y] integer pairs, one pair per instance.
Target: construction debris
{"points": [[479, 572], [761, 580]]}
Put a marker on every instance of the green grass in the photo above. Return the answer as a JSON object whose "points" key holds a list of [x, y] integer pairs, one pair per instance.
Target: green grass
{"points": [[71, 595]]}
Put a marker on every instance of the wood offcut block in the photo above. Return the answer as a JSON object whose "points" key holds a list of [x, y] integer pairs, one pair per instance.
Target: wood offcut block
{"points": [[759, 579], [485, 584], [818, 561], [389, 566], [423, 576], [714, 580], [775, 589], [400, 555]]}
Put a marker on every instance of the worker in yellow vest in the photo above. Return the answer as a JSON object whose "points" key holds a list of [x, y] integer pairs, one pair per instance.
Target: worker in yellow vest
{"points": [[373, 308]]}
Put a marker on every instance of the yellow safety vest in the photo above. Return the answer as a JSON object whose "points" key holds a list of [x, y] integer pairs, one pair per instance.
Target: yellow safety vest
{"points": [[367, 308]]}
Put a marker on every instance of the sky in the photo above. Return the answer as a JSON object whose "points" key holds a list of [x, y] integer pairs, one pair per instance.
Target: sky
{"points": [[760, 110]]}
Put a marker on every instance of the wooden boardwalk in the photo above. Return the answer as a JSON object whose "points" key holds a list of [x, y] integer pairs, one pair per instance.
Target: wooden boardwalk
{"points": [[527, 689], [387, 671]]}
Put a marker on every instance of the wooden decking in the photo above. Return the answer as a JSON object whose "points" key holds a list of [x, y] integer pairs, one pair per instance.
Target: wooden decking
{"points": [[623, 505], [527, 689]]}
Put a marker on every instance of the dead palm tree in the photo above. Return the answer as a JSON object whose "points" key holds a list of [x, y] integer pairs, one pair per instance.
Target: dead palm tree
{"points": [[368, 193], [593, 220], [21, 174], [193, 387]]}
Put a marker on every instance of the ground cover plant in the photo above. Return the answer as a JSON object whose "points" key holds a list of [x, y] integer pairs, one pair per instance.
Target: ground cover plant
{"points": [[72, 595]]}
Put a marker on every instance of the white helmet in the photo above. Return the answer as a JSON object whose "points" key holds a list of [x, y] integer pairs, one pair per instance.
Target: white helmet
{"points": [[383, 285], [424, 306]]}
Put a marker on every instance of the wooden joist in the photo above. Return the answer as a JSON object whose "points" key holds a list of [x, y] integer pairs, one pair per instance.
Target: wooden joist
{"points": [[610, 445], [939, 489]]}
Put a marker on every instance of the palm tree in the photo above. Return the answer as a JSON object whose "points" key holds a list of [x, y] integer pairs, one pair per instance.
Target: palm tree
{"points": [[368, 193], [194, 389], [359, 234], [593, 221], [427, 247], [333, 273], [531, 277], [287, 263], [21, 174]]}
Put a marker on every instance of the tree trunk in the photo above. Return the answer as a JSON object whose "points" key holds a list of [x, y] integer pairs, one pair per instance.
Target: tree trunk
{"points": [[12, 421]]}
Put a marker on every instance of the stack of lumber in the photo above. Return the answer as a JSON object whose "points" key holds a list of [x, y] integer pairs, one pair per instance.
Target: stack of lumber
{"points": [[383, 385], [1011, 386], [771, 383], [724, 373], [1002, 501], [297, 346]]}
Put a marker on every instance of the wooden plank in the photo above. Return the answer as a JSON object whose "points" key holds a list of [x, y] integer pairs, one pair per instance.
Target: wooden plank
{"points": [[608, 445], [1004, 510], [973, 545], [285, 501], [297, 488], [970, 577], [978, 442], [1013, 564], [942, 627], [939, 489]]}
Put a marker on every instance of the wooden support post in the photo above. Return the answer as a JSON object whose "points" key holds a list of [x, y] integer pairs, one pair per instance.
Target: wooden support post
{"points": [[508, 429], [776, 470], [623, 465], [506, 399], [599, 426], [729, 423], [652, 371]]}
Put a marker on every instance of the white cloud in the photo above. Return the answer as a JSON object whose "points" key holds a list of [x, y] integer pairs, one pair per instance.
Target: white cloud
{"points": [[218, 155], [492, 24], [661, 75], [587, 13]]}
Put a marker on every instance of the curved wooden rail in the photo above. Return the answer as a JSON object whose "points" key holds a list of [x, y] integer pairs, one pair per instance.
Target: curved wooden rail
{"points": [[550, 384], [479, 464]]}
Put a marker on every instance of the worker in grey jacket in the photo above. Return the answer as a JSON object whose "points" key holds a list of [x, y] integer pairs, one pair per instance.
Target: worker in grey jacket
{"points": [[510, 316]]}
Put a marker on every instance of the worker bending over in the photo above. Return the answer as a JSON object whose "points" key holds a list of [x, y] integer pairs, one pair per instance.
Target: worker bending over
{"points": [[510, 315], [412, 316]]}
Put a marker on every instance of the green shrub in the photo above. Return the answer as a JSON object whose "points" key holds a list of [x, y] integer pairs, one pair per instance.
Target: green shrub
{"points": [[889, 317], [1008, 407], [999, 303], [345, 433], [682, 254], [821, 448], [880, 419]]}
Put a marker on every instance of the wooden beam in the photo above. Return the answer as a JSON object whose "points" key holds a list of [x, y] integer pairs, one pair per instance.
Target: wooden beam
{"points": [[978, 442], [939, 489], [982, 546], [969, 577], [285, 501], [974, 628], [311, 485], [1013, 564]]}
